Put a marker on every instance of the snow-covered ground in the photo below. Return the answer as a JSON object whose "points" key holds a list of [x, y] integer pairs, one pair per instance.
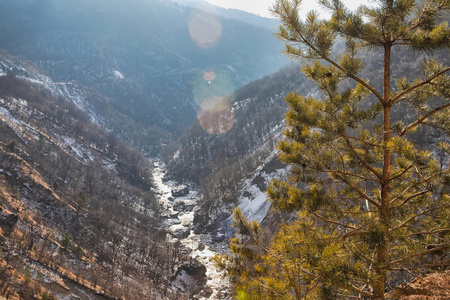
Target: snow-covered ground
{"points": [[253, 200], [79, 97], [77, 148]]}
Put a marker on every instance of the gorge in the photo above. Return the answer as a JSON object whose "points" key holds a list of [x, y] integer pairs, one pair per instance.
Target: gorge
{"points": [[131, 130]]}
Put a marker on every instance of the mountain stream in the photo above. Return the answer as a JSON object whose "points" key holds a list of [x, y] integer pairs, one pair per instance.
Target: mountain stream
{"points": [[179, 215]]}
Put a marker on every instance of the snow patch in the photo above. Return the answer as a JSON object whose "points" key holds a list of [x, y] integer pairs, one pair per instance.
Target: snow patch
{"points": [[253, 199], [118, 74], [176, 154], [110, 166], [41, 80], [6, 113], [79, 98], [79, 150], [256, 206]]}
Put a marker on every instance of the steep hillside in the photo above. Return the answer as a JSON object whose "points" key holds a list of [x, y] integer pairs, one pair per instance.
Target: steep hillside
{"points": [[219, 163], [96, 105], [78, 215], [146, 56]]}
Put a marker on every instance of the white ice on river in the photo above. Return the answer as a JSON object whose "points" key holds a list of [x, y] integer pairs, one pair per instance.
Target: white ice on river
{"points": [[184, 221]]}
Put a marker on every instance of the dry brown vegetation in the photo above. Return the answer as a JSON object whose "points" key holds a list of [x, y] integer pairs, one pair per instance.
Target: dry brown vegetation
{"points": [[434, 286], [69, 222]]}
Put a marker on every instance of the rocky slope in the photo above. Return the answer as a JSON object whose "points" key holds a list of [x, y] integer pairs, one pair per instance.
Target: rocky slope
{"points": [[78, 214], [228, 165]]}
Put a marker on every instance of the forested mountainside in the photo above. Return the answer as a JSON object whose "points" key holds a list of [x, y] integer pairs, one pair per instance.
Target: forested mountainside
{"points": [[96, 105], [219, 163], [77, 212], [146, 56]]}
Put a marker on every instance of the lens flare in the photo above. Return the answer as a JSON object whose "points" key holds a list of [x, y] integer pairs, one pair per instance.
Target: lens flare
{"points": [[205, 28], [212, 84], [209, 76], [216, 115], [213, 92]]}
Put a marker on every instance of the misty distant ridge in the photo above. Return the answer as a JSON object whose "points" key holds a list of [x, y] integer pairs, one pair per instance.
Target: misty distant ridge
{"points": [[231, 13]]}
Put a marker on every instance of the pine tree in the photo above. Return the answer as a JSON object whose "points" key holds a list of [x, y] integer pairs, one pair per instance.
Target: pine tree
{"points": [[372, 202]]}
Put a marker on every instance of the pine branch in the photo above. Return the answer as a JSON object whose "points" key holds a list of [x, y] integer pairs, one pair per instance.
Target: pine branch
{"points": [[312, 287], [433, 125], [404, 223], [362, 141], [358, 253], [399, 97], [414, 196], [403, 192], [332, 222], [260, 283], [400, 174], [361, 193], [326, 58], [441, 263], [354, 77], [328, 169], [346, 211], [352, 233], [421, 120], [430, 232], [392, 263], [360, 291], [244, 224], [362, 160], [352, 174], [420, 20], [293, 282]]}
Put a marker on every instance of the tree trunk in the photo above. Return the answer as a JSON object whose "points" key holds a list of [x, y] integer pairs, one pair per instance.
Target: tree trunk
{"points": [[382, 248]]}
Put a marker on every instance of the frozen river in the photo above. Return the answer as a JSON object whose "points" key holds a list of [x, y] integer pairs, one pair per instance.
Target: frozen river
{"points": [[180, 221]]}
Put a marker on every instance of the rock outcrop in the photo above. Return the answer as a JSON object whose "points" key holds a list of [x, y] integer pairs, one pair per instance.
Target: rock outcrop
{"points": [[190, 278]]}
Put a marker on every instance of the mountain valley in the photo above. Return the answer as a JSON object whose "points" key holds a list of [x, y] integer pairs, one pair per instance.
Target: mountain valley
{"points": [[130, 131]]}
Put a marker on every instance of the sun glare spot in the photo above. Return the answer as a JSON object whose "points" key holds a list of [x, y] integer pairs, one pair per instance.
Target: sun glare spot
{"points": [[212, 84], [209, 76], [205, 28], [216, 115]]}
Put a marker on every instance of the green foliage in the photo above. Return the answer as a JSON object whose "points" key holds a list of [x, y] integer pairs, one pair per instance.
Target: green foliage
{"points": [[68, 244], [66, 241], [47, 296], [77, 250], [371, 203], [40, 277]]}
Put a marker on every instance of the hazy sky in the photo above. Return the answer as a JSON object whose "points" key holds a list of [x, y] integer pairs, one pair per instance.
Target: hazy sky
{"points": [[260, 7]]}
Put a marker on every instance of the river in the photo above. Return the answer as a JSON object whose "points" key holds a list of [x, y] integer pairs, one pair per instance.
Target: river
{"points": [[180, 223]]}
